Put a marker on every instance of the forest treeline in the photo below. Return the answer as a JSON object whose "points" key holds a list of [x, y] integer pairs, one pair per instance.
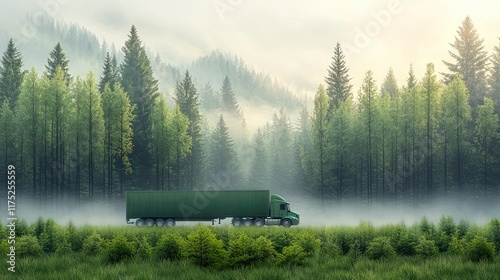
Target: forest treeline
{"points": [[93, 138]]}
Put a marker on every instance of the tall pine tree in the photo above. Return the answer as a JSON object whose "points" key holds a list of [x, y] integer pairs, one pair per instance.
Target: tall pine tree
{"points": [[223, 157], [486, 133], [11, 75], [110, 74], [229, 101], [494, 78], [319, 136], [56, 59], [142, 87], [187, 99], [470, 60], [430, 93], [390, 85], [338, 80]]}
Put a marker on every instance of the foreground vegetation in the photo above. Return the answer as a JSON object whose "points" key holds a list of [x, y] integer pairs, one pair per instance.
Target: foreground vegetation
{"points": [[446, 250]]}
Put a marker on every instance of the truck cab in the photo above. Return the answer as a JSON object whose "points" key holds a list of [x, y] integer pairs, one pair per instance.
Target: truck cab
{"points": [[280, 212]]}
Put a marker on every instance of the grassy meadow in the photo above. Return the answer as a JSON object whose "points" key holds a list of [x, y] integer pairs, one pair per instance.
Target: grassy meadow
{"points": [[445, 250]]}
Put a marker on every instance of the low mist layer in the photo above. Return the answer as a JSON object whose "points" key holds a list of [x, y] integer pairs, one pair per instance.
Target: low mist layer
{"points": [[311, 213]]}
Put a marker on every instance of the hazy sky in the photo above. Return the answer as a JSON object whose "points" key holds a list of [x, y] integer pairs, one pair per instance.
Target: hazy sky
{"points": [[291, 39]]}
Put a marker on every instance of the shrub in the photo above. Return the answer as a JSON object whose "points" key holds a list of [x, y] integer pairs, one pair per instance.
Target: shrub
{"points": [[62, 244], [364, 234], [380, 248], [43, 241], [49, 241], [119, 249], [169, 247], [462, 228], [265, 249], [426, 228], [426, 248], [406, 244], [330, 248], [27, 246], [4, 247], [293, 255], [403, 240], [204, 249], [144, 249], [457, 245], [447, 226], [354, 251], [22, 228], [443, 241], [309, 243], [344, 240], [446, 229], [3, 232], [93, 244], [480, 249], [280, 239], [73, 239], [77, 237], [242, 250], [494, 232], [39, 227]]}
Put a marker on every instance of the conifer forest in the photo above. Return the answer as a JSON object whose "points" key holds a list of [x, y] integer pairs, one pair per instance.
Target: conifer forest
{"points": [[233, 139], [92, 137]]}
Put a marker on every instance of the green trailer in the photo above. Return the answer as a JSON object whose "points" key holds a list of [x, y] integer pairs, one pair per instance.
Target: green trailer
{"points": [[244, 207]]}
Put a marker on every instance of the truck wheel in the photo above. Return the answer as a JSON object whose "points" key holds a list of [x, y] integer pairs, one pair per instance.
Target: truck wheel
{"points": [[139, 222], [258, 222], [170, 222], [248, 222], [160, 222], [286, 223], [150, 222], [236, 222]]}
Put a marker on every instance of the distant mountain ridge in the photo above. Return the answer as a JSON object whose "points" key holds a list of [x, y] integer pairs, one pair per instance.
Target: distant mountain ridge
{"points": [[86, 52]]}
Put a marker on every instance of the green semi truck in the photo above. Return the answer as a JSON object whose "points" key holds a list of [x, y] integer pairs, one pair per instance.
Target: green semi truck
{"points": [[245, 207]]}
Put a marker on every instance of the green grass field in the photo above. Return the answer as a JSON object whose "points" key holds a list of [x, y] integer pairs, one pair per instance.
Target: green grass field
{"points": [[446, 250]]}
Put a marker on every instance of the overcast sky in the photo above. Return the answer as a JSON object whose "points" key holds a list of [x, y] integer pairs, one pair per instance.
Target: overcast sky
{"points": [[291, 39]]}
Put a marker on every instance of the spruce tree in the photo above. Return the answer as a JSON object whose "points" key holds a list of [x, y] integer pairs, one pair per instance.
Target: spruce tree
{"points": [[7, 152], [29, 118], [58, 58], [110, 74], [430, 93], [494, 78], [209, 99], [186, 98], [229, 102], [368, 99], [390, 85], [470, 60], [411, 81], [223, 158], [138, 81], [11, 75], [338, 80], [486, 133], [319, 136], [456, 115], [259, 172]]}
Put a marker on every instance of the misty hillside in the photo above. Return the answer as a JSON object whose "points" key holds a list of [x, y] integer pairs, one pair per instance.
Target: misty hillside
{"points": [[258, 88], [86, 52]]}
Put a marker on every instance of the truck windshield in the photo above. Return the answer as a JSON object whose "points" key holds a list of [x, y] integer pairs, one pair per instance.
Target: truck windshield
{"points": [[288, 207]]}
